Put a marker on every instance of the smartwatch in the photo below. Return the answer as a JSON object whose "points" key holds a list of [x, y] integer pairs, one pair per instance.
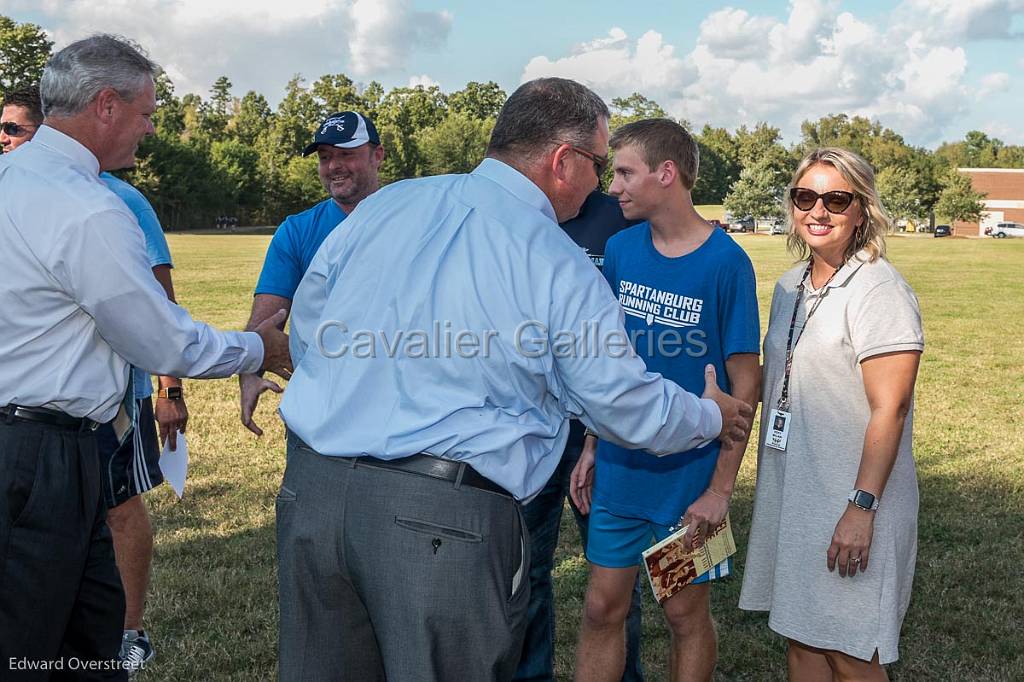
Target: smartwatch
{"points": [[863, 500], [171, 393]]}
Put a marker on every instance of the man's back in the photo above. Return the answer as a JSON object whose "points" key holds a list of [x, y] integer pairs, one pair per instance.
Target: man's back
{"points": [[468, 271]]}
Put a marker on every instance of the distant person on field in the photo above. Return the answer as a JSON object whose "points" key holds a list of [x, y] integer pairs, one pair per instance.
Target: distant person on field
{"points": [[833, 538], [132, 467], [20, 118], [689, 299], [349, 153]]}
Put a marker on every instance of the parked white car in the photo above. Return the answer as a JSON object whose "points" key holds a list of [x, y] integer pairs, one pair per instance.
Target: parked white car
{"points": [[1003, 230]]}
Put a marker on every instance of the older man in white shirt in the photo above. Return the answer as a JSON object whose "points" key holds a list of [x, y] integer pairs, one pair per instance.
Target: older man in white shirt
{"points": [[77, 305]]}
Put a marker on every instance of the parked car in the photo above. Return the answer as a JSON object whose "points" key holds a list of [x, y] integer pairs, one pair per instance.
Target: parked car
{"points": [[1004, 230], [942, 231], [778, 227], [742, 225]]}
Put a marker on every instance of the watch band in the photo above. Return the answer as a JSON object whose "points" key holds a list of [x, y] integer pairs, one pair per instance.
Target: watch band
{"points": [[863, 500]]}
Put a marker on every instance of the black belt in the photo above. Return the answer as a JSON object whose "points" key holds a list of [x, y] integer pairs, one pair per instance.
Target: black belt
{"points": [[45, 416], [435, 467]]}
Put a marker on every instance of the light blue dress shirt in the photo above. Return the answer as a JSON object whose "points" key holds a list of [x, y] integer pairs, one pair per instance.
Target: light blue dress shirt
{"points": [[377, 319]]}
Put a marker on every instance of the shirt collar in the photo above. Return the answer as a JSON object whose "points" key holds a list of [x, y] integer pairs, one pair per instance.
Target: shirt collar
{"points": [[845, 273], [68, 146], [517, 184]]}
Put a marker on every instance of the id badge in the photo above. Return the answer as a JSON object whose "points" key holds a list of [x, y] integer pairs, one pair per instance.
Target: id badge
{"points": [[778, 429]]}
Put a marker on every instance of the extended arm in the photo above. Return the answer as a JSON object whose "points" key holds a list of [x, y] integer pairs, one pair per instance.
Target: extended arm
{"points": [[252, 386], [171, 415]]}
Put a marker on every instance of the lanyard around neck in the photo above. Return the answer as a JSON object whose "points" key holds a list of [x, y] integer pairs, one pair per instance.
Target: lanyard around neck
{"points": [[791, 342]]}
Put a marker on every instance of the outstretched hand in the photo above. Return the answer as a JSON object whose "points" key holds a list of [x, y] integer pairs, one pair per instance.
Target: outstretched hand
{"points": [[737, 416], [276, 357]]}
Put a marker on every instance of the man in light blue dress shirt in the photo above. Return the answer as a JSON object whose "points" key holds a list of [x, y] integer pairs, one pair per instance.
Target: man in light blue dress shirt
{"points": [[441, 341]]}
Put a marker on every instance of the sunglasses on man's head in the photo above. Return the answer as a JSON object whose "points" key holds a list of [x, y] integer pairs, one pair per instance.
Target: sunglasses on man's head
{"points": [[14, 129], [835, 201]]}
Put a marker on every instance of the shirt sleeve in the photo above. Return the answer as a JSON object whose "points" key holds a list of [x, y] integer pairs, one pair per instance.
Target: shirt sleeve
{"points": [[156, 242], [886, 319], [740, 322], [102, 266], [608, 386], [282, 267]]}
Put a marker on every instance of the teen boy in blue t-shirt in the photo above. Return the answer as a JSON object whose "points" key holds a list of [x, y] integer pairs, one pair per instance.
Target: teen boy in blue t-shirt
{"points": [[688, 294]]}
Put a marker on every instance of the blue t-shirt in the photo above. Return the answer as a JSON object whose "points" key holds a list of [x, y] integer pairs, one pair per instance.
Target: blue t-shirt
{"points": [[156, 250], [681, 314], [294, 244]]}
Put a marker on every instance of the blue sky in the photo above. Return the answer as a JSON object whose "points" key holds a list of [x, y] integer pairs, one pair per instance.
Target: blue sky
{"points": [[930, 69]]}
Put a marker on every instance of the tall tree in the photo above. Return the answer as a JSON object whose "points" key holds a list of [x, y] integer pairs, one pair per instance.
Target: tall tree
{"points": [[477, 100], [253, 119], [719, 165], [959, 200], [758, 192], [456, 145], [24, 49]]}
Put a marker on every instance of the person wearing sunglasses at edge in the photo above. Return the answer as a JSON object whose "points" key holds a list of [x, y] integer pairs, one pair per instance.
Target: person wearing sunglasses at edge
{"points": [[20, 118], [132, 467], [833, 538]]}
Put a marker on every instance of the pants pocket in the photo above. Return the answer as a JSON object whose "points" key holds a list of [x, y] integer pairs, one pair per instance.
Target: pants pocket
{"points": [[22, 482], [437, 530]]}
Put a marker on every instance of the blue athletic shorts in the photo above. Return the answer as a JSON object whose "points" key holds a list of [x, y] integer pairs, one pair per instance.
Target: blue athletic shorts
{"points": [[619, 542]]}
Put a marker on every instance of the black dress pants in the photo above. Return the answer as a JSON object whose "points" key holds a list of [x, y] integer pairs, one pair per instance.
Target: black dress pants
{"points": [[61, 600]]}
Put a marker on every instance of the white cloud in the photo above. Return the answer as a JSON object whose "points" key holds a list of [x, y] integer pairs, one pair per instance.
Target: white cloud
{"points": [[422, 80], [257, 44], [994, 82], [747, 68], [953, 20], [1010, 134], [617, 65], [384, 33]]}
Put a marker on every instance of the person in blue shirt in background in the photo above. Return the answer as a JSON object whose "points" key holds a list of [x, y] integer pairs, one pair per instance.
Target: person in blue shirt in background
{"points": [[599, 218], [689, 298], [349, 152]]}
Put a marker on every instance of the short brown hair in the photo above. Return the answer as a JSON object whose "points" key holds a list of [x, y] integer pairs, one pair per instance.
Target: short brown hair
{"points": [[658, 140], [26, 97]]}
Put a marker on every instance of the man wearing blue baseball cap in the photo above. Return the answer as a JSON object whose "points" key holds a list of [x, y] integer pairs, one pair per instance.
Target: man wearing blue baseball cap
{"points": [[350, 154]]}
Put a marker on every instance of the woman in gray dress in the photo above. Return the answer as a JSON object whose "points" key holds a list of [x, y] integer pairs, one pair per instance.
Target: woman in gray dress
{"points": [[833, 538]]}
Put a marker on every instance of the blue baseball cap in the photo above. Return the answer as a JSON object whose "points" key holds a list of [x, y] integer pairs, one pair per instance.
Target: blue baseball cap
{"points": [[345, 129]]}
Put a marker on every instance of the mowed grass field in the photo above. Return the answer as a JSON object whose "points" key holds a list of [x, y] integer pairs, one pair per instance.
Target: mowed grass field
{"points": [[213, 606]]}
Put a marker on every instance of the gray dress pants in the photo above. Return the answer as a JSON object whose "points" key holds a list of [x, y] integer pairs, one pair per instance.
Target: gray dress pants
{"points": [[389, 575]]}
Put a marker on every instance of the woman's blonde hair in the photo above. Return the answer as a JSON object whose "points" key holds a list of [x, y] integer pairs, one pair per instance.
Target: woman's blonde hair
{"points": [[870, 235]]}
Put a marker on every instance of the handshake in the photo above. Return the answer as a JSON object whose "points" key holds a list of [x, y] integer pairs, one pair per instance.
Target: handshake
{"points": [[737, 416]]}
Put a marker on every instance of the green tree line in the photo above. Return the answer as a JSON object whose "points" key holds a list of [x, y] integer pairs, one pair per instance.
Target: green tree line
{"points": [[237, 155]]}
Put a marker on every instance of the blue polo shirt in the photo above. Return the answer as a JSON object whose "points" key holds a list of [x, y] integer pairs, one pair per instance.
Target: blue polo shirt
{"points": [[294, 244], [156, 250], [681, 314]]}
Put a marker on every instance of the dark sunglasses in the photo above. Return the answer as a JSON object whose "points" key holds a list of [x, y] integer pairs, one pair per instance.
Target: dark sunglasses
{"points": [[835, 201], [600, 162], [15, 130]]}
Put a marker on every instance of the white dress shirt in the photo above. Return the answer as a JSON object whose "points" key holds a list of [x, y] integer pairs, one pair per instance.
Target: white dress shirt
{"points": [[78, 300]]}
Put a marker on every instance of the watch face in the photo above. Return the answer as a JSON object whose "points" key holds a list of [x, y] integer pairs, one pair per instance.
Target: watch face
{"points": [[864, 500], [173, 392]]}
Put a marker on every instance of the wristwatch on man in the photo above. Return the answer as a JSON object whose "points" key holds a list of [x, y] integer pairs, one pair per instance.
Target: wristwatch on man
{"points": [[171, 393], [863, 500]]}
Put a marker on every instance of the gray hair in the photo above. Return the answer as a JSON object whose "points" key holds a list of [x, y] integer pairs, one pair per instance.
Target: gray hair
{"points": [[543, 112], [75, 75]]}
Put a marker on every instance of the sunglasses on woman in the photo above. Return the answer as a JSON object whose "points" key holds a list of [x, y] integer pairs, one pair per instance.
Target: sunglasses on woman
{"points": [[835, 201], [14, 129]]}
